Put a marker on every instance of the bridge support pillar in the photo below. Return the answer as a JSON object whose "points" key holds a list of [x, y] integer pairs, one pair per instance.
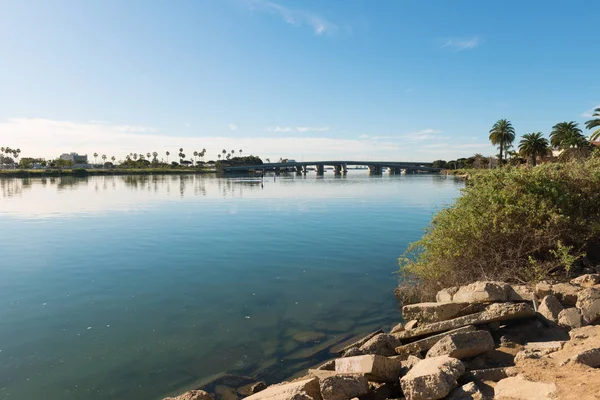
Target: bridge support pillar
{"points": [[337, 169], [304, 169], [277, 171], [375, 170], [299, 170], [344, 169], [320, 169], [395, 170], [410, 171]]}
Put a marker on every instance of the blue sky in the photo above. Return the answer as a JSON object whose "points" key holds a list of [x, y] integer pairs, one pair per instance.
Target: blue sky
{"points": [[304, 79]]}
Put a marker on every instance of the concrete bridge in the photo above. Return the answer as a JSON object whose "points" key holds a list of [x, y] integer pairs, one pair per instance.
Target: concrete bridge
{"points": [[339, 167]]}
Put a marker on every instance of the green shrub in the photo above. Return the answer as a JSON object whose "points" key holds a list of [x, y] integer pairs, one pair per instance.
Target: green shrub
{"points": [[512, 224], [80, 172]]}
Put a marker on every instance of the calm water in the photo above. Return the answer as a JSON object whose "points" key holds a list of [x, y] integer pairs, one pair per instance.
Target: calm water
{"points": [[136, 287]]}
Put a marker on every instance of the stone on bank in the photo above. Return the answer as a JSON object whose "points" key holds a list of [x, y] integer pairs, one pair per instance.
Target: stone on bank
{"points": [[432, 378]]}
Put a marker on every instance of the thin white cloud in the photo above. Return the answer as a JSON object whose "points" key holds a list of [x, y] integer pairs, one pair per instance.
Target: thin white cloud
{"points": [[294, 17], [232, 127], [299, 129], [50, 138], [134, 129], [460, 44], [590, 113]]}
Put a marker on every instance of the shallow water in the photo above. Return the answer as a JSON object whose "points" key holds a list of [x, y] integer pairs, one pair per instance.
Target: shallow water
{"points": [[138, 286]]}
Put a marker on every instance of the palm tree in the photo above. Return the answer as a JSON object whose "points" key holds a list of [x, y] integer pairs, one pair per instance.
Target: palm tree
{"points": [[148, 155], [240, 152], [195, 155], [167, 153], [533, 145], [268, 160], [594, 123], [104, 158], [219, 157], [567, 134], [502, 134], [113, 159], [95, 156], [135, 156], [203, 153], [155, 155]]}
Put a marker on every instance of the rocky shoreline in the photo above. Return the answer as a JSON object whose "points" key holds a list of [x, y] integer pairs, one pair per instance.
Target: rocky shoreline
{"points": [[486, 340]]}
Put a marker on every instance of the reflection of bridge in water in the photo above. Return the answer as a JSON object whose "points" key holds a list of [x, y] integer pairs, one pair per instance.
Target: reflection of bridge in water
{"points": [[339, 167]]}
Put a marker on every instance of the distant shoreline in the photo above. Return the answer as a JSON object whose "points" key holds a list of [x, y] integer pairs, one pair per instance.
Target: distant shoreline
{"points": [[40, 173]]}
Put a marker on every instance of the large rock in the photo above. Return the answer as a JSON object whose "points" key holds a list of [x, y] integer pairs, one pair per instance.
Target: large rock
{"points": [[343, 387], [470, 391], [463, 345], [192, 395], [520, 293], [543, 289], [445, 295], [482, 292], [360, 341], [570, 318], [375, 368], [399, 327], [493, 312], [518, 388], [588, 302], [587, 280], [382, 344], [427, 343], [490, 374], [566, 293], [432, 378], [304, 389], [433, 312], [550, 307], [590, 357]]}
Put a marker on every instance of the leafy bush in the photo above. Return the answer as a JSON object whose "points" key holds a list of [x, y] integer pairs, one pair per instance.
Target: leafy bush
{"points": [[512, 224], [80, 172]]}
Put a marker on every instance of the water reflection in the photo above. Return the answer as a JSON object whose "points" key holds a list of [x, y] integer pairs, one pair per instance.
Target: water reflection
{"points": [[55, 196]]}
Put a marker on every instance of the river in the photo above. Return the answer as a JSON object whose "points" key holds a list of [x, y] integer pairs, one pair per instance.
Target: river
{"points": [[134, 287]]}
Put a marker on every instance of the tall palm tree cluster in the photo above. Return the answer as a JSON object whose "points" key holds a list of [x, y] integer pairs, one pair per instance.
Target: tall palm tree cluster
{"points": [[565, 136], [10, 152], [226, 155]]}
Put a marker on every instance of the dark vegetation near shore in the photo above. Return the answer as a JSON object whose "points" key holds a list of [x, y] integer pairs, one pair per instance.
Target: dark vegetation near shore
{"points": [[510, 224]]}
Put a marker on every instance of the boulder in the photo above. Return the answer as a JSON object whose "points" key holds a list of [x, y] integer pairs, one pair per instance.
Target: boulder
{"points": [[304, 389], [432, 312], [587, 280], [192, 395], [382, 344], [327, 366], [375, 368], [427, 343], [519, 388], [482, 292], [360, 342], [550, 307], [463, 345], [351, 352], [470, 391], [445, 295], [520, 293], [343, 386], [588, 302], [397, 328], [489, 374], [493, 312], [543, 289], [590, 357], [570, 318], [251, 388], [409, 364], [432, 378], [412, 324], [545, 347], [566, 293]]}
